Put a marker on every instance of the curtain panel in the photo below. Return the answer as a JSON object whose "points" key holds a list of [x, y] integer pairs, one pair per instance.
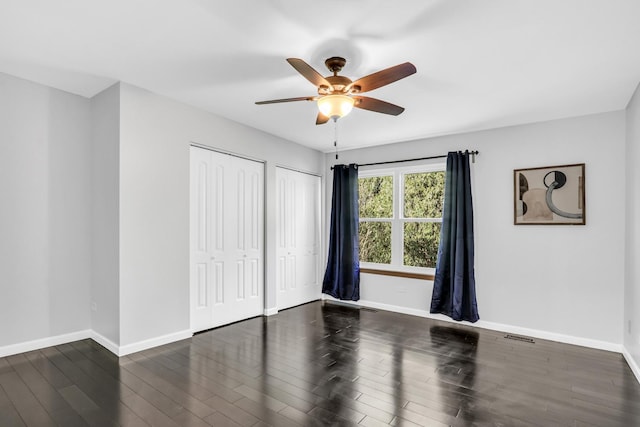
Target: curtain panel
{"points": [[454, 289], [342, 277]]}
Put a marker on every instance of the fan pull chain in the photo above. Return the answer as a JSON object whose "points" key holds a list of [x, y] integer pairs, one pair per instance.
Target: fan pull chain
{"points": [[335, 136]]}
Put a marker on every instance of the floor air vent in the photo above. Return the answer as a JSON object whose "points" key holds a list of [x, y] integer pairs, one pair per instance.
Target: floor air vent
{"points": [[519, 338], [373, 310]]}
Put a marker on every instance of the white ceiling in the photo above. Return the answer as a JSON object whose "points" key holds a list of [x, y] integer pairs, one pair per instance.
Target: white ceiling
{"points": [[481, 64]]}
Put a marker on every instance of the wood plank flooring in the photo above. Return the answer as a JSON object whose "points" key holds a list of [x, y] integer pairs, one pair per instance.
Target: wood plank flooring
{"points": [[323, 364]]}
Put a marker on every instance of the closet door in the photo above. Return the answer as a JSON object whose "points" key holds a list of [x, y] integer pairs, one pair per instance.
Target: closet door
{"points": [[244, 228], [298, 231], [227, 211]]}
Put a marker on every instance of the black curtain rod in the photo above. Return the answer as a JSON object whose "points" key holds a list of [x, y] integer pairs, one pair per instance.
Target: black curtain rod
{"points": [[473, 159]]}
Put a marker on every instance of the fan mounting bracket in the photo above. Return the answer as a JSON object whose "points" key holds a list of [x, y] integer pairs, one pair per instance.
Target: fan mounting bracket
{"points": [[335, 64]]}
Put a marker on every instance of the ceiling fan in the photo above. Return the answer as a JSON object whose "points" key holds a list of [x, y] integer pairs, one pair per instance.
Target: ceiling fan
{"points": [[337, 95]]}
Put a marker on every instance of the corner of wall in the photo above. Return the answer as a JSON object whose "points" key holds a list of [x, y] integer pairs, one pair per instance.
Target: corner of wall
{"points": [[631, 323], [105, 182], [45, 217]]}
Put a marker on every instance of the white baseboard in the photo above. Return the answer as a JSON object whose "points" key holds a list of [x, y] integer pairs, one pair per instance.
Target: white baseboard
{"points": [[105, 342], [551, 336], [632, 363], [23, 347], [153, 342], [271, 311], [100, 339]]}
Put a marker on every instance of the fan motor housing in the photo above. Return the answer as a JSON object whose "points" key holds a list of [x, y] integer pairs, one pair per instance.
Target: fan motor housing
{"points": [[338, 83]]}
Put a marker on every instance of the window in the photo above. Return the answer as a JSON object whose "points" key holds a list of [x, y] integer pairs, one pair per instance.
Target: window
{"points": [[401, 216]]}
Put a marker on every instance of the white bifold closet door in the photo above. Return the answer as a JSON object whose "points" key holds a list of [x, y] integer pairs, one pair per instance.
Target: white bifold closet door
{"points": [[227, 229], [298, 237]]}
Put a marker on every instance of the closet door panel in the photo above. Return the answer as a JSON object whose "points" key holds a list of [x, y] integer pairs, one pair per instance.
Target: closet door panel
{"points": [[298, 213], [201, 242], [227, 225]]}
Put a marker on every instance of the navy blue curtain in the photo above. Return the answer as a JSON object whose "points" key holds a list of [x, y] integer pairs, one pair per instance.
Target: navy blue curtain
{"points": [[342, 277], [454, 288]]}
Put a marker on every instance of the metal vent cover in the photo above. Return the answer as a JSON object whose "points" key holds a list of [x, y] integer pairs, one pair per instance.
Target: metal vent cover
{"points": [[519, 338]]}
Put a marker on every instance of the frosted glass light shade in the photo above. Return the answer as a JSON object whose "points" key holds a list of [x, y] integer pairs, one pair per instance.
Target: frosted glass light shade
{"points": [[335, 106]]}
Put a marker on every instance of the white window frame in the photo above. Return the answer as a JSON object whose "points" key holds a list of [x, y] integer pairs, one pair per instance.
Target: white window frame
{"points": [[398, 220]]}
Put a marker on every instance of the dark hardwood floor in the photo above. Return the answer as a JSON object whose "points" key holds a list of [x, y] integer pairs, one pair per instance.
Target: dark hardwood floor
{"points": [[321, 365]]}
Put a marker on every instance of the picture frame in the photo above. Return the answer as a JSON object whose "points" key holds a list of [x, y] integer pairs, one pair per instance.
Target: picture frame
{"points": [[549, 195]]}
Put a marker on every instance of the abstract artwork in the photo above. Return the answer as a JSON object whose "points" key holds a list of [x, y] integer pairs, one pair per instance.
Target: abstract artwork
{"points": [[551, 195]]}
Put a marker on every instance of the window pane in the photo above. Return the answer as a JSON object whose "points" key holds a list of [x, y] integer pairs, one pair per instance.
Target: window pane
{"points": [[421, 241], [423, 195], [375, 242], [376, 197]]}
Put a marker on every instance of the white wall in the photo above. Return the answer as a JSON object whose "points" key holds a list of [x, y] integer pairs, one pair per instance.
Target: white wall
{"points": [[154, 205], [45, 216], [563, 281], [632, 272], [97, 192], [105, 168], [96, 210]]}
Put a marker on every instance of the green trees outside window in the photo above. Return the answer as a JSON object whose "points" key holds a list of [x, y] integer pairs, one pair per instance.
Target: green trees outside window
{"points": [[400, 217], [375, 242], [376, 206]]}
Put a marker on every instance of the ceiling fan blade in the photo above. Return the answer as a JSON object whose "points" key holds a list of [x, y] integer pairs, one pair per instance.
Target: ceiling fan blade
{"points": [[321, 119], [377, 105], [275, 101], [383, 77], [309, 73]]}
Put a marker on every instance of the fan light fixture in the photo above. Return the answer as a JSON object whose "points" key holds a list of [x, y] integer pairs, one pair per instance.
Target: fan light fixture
{"points": [[338, 95], [335, 106]]}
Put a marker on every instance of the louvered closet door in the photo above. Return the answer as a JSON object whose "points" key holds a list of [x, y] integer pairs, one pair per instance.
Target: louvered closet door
{"points": [[298, 231], [227, 211]]}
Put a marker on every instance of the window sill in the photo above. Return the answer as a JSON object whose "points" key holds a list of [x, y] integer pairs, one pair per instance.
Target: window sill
{"points": [[407, 274]]}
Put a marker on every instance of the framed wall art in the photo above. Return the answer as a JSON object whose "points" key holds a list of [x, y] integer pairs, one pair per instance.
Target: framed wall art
{"points": [[551, 195]]}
